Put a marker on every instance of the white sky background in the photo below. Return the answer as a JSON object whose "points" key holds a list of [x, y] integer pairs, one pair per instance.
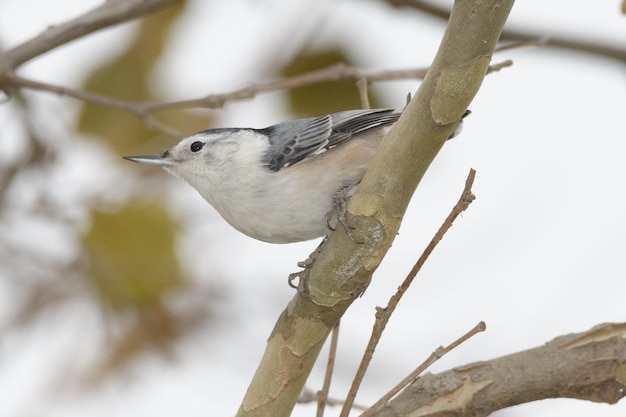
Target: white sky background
{"points": [[540, 252]]}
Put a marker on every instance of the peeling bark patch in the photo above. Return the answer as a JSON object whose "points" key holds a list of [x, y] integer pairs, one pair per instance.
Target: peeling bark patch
{"points": [[455, 88], [454, 400]]}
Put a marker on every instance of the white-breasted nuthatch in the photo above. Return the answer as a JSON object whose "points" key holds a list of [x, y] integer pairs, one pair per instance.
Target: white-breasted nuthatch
{"points": [[279, 184]]}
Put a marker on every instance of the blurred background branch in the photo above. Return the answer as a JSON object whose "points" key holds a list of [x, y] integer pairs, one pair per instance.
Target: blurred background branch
{"points": [[334, 72], [568, 43], [109, 13]]}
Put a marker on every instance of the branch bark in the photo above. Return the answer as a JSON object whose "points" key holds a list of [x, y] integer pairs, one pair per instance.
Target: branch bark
{"points": [[588, 366], [343, 268]]}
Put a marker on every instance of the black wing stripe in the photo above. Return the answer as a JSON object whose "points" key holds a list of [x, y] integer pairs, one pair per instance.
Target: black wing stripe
{"points": [[295, 140]]}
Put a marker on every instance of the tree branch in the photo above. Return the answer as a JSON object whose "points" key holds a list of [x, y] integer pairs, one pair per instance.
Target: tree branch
{"points": [[343, 268], [140, 110], [322, 395], [432, 358], [588, 366], [144, 110], [110, 13], [578, 45]]}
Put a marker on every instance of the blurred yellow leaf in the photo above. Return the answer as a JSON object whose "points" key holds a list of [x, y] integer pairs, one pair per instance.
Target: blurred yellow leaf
{"points": [[326, 97], [131, 257]]}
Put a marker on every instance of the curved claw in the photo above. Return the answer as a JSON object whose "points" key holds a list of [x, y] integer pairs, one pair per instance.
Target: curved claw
{"points": [[339, 208], [329, 217]]}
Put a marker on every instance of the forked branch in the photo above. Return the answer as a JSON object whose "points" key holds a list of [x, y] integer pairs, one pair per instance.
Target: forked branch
{"points": [[588, 366]]}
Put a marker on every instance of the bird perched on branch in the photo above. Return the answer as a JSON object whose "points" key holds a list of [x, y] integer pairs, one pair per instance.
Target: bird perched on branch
{"points": [[280, 184]]}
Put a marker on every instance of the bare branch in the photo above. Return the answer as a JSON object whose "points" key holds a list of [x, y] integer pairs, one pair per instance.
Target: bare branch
{"points": [[322, 395], [589, 366], [498, 66], [363, 93], [579, 45], [434, 357], [308, 396], [384, 314], [141, 110], [109, 13]]}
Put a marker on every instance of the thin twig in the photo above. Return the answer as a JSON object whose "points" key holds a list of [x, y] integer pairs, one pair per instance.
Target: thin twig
{"points": [[308, 396], [140, 110], [334, 72], [432, 358], [322, 395], [497, 67], [384, 314], [526, 43], [362, 85]]}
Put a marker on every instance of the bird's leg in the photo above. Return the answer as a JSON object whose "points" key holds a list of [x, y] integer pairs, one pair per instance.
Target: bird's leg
{"points": [[340, 210], [303, 275]]}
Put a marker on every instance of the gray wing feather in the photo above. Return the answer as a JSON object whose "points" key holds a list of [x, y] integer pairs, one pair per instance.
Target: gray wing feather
{"points": [[295, 140]]}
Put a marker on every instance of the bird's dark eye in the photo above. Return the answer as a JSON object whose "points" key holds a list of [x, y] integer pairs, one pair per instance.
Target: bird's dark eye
{"points": [[196, 146]]}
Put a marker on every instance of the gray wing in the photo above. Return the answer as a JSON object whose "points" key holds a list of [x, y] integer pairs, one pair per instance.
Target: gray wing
{"points": [[295, 140]]}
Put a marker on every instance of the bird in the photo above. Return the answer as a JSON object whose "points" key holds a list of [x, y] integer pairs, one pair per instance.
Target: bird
{"points": [[280, 184]]}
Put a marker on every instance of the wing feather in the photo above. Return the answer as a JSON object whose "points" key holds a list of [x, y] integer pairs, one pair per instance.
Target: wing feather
{"points": [[296, 140]]}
